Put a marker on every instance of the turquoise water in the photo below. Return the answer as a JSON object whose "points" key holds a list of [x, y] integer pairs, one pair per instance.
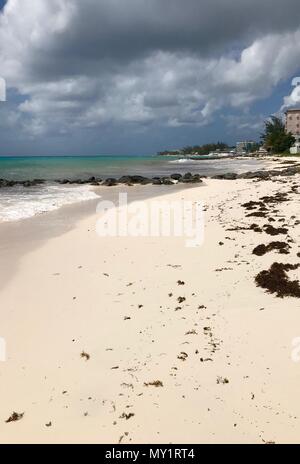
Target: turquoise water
{"points": [[53, 168], [83, 167]]}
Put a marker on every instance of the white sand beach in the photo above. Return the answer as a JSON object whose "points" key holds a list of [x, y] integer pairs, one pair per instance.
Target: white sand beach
{"points": [[149, 225], [100, 349]]}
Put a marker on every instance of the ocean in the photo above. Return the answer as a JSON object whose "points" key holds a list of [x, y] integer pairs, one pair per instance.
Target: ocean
{"points": [[23, 202]]}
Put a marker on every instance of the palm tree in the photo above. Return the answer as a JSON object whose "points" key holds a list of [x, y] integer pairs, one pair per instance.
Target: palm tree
{"points": [[275, 137]]}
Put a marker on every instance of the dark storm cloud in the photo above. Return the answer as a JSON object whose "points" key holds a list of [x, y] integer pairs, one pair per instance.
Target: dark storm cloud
{"points": [[131, 64], [108, 33]]}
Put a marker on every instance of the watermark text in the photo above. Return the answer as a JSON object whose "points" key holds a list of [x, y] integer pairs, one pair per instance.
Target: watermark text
{"points": [[155, 218]]}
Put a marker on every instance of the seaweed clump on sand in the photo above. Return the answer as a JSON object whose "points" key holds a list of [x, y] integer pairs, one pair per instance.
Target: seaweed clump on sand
{"points": [[261, 214], [253, 205], [278, 198], [281, 247], [156, 384], [253, 227], [270, 230], [276, 280], [15, 417]]}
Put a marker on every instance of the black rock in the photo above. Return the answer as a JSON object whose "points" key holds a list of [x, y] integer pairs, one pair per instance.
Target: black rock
{"points": [[38, 181], [176, 176], [138, 179], [156, 181], [167, 181], [191, 180], [110, 182], [227, 176], [77, 182], [125, 180], [7, 183], [146, 181], [131, 180], [255, 175]]}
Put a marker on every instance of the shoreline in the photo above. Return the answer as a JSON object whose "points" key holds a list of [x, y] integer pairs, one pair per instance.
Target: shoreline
{"points": [[222, 361], [22, 199], [24, 235], [92, 183]]}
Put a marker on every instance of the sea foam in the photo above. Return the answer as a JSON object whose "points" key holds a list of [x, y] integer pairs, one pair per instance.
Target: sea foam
{"points": [[19, 202]]}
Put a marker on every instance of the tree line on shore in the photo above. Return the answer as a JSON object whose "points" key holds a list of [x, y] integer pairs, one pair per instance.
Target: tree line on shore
{"points": [[200, 150], [274, 139]]}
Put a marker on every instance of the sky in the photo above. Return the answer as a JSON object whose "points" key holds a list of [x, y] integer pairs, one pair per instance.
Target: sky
{"points": [[141, 76]]}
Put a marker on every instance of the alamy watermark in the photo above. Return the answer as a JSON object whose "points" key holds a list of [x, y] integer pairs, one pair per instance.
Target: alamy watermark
{"points": [[2, 89], [2, 349], [295, 353], [152, 218]]}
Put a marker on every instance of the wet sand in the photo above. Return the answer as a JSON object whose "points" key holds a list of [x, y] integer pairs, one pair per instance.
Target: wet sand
{"points": [[20, 237]]}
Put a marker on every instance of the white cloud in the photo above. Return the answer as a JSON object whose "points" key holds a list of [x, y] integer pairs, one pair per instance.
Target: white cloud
{"points": [[96, 62]]}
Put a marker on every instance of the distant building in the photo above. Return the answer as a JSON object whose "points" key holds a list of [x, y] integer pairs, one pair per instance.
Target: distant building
{"points": [[292, 125], [245, 147], [292, 122]]}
